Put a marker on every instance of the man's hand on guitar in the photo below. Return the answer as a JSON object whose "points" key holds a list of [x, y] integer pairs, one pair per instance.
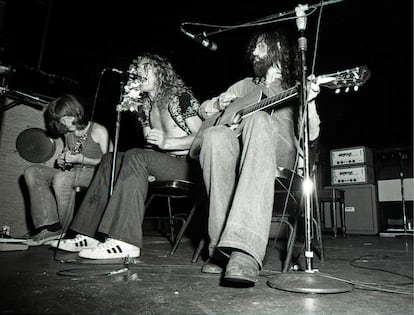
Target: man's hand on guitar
{"points": [[61, 160], [224, 100], [313, 88], [66, 159], [69, 157], [314, 121]]}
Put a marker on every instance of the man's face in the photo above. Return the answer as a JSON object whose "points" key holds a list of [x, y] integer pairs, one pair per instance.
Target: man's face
{"points": [[143, 78], [68, 122], [261, 61]]}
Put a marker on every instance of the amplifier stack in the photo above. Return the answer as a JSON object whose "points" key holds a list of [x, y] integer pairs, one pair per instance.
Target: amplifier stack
{"points": [[352, 170], [351, 166]]}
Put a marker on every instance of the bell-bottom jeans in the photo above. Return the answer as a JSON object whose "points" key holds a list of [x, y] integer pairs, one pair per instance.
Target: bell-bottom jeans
{"points": [[120, 216], [52, 194], [239, 173]]}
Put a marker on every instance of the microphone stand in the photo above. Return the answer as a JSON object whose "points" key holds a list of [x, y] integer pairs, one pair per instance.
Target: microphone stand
{"points": [[116, 141], [307, 281], [19, 98], [407, 230]]}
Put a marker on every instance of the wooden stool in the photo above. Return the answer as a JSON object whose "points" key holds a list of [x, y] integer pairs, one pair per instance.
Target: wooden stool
{"points": [[333, 196]]}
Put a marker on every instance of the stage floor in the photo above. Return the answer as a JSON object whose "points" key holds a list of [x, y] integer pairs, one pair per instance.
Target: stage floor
{"points": [[41, 280]]}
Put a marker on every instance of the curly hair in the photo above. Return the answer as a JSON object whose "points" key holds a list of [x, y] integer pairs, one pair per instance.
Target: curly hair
{"points": [[279, 51], [66, 105], [169, 83]]}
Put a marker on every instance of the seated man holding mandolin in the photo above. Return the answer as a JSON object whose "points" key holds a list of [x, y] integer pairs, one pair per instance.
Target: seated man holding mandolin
{"points": [[52, 197], [239, 163]]}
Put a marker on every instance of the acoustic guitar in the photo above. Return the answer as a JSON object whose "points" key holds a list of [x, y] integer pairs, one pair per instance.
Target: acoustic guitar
{"points": [[241, 108]]}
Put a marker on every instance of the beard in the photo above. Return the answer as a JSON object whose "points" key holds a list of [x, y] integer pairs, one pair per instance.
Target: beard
{"points": [[261, 65]]}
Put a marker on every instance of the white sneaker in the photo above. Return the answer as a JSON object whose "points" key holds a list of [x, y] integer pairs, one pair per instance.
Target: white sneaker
{"points": [[76, 244], [110, 249]]}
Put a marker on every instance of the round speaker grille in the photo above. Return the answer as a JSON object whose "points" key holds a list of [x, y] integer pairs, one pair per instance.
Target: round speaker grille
{"points": [[35, 146]]}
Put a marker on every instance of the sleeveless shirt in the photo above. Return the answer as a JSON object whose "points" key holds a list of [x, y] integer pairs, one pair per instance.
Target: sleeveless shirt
{"points": [[90, 148]]}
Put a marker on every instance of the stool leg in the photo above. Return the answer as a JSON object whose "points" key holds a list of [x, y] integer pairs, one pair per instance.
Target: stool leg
{"points": [[290, 244], [319, 228], [343, 219], [198, 250], [322, 213], [334, 223], [171, 221], [182, 230]]}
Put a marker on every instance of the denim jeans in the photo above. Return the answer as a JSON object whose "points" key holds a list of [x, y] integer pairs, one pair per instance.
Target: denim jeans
{"points": [[239, 174], [120, 215], [52, 197]]}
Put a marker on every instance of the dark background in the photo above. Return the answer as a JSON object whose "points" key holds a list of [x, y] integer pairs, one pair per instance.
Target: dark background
{"points": [[60, 46]]}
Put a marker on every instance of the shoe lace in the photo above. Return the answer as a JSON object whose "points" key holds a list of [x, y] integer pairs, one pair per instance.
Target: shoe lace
{"points": [[78, 238], [109, 243]]}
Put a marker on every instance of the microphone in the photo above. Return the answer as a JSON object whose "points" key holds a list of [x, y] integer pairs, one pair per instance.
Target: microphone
{"points": [[4, 69], [116, 70], [201, 39]]}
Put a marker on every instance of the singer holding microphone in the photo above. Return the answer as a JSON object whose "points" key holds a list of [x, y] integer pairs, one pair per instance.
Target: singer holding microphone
{"points": [[110, 226]]}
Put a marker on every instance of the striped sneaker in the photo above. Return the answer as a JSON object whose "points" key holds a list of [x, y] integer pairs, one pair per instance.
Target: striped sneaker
{"points": [[110, 249], [75, 244]]}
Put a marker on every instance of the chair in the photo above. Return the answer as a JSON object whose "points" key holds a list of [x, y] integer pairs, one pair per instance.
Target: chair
{"points": [[288, 189], [285, 215], [171, 190]]}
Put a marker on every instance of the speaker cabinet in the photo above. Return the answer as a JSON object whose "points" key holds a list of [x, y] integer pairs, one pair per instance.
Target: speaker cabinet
{"points": [[389, 163], [395, 196], [361, 209], [23, 142], [395, 199]]}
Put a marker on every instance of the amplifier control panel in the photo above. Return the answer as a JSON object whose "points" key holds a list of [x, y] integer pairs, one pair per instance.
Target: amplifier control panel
{"points": [[352, 175], [352, 156]]}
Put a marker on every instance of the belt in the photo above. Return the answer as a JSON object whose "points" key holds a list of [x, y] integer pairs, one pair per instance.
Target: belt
{"points": [[182, 156], [83, 166]]}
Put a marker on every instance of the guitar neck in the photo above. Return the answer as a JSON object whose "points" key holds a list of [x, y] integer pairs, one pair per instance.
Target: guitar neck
{"points": [[270, 102]]}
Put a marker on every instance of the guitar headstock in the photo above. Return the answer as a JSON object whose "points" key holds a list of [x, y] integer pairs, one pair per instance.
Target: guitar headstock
{"points": [[345, 79]]}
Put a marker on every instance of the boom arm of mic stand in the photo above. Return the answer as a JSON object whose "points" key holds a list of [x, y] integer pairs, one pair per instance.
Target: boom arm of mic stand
{"points": [[309, 6]]}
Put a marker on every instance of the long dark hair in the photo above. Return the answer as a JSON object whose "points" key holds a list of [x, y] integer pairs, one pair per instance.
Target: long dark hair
{"points": [[280, 51], [66, 105]]}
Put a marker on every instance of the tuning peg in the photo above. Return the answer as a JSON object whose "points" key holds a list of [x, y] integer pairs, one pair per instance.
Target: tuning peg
{"points": [[347, 89], [337, 91], [356, 88]]}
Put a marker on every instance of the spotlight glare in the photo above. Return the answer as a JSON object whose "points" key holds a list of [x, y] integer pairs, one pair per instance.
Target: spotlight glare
{"points": [[307, 186]]}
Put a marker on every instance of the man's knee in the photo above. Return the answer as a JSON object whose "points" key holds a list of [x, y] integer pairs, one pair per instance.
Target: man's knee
{"points": [[133, 154], [61, 180], [259, 119], [31, 174], [217, 136]]}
